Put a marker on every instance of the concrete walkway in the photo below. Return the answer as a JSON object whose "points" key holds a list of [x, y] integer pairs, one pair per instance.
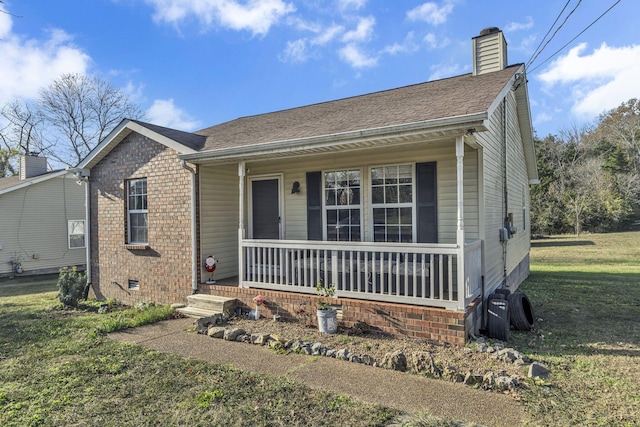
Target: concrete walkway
{"points": [[407, 392]]}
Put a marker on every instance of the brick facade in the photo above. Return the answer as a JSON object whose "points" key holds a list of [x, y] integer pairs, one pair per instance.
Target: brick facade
{"points": [[429, 323], [163, 268]]}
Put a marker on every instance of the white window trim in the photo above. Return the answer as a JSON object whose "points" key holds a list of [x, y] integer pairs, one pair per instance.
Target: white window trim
{"points": [[351, 207], [136, 211], [371, 205], [84, 234]]}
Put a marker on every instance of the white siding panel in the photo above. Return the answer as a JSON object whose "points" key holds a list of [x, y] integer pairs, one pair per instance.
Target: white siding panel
{"points": [[33, 225], [219, 220], [443, 153], [494, 194]]}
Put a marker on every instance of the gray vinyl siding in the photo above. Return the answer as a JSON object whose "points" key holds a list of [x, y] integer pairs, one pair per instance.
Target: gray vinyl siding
{"points": [[219, 207], [494, 203], [33, 225], [219, 195]]}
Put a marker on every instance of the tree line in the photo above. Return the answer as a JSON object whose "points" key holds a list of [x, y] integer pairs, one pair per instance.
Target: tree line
{"points": [[589, 178]]}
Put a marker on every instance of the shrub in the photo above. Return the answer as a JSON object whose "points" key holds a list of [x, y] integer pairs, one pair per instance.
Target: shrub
{"points": [[71, 284]]}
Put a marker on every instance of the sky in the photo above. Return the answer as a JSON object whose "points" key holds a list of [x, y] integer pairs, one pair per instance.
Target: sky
{"points": [[191, 64]]}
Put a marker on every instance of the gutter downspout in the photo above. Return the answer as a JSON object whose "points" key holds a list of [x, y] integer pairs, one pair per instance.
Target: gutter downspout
{"points": [[194, 244], [80, 175]]}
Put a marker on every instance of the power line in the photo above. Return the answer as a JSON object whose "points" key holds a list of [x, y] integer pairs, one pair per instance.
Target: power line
{"points": [[579, 34], [554, 34], [548, 31]]}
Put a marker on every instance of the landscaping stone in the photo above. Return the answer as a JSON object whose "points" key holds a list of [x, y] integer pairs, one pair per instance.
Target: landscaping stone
{"points": [[232, 334], [202, 325], [343, 354], [215, 332], [422, 362], [504, 383], [472, 379], [317, 348], [261, 339], [396, 361], [538, 370], [331, 352], [452, 374], [368, 360]]}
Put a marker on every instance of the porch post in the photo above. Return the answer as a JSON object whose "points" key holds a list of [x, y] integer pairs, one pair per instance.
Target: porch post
{"points": [[460, 231], [241, 232]]}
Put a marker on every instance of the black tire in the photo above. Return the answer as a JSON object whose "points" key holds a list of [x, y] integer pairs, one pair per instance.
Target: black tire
{"points": [[521, 311], [504, 291], [499, 319]]}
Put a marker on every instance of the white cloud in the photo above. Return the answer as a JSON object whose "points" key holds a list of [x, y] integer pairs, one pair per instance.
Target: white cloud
{"points": [[164, 112], [433, 42], [5, 25], [29, 64], [518, 26], [441, 71], [431, 13], [362, 32], [542, 118], [296, 52], [354, 56], [407, 46], [256, 16], [598, 81], [351, 4], [328, 34]]}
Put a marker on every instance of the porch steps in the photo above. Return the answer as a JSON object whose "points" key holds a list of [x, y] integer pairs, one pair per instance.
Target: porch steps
{"points": [[201, 305]]}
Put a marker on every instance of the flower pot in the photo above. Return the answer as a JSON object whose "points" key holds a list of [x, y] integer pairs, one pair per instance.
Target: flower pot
{"points": [[328, 321]]}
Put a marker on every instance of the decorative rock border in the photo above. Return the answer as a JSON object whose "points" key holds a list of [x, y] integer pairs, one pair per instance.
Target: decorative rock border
{"points": [[421, 362]]}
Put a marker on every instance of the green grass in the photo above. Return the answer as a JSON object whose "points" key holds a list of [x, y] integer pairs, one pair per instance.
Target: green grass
{"points": [[586, 293], [57, 368]]}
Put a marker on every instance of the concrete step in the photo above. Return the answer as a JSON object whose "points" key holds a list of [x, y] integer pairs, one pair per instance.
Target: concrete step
{"points": [[196, 313], [212, 303]]}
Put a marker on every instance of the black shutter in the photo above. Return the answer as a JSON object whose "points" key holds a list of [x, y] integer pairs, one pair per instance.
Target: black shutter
{"points": [[427, 202], [314, 205]]}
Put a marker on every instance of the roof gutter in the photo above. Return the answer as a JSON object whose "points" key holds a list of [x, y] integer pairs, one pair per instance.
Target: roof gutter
{"points": [[449, 124], [34, 180]]}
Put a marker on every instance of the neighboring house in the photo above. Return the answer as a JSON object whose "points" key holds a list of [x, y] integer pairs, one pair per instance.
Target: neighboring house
{"points": [[413, 201], [42, 220]]}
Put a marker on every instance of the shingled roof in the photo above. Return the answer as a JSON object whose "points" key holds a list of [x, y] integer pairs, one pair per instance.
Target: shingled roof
{"points": [[439, 99]]}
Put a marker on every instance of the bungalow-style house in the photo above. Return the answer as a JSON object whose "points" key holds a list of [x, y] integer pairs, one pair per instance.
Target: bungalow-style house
{"points": [[413, 202], [42, 220]]}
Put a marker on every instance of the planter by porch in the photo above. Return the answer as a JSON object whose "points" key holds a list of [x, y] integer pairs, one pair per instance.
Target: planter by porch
{"points": [[328, 321]]}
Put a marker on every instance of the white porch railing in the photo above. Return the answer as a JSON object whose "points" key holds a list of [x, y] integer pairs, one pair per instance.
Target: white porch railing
{"points": [[423, 274]]}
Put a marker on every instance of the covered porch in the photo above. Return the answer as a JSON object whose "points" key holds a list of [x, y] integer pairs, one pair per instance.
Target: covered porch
{"points": [[429, 276]]}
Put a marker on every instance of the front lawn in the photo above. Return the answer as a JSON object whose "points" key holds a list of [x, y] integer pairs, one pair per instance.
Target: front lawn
{"points": [[57, 368]]}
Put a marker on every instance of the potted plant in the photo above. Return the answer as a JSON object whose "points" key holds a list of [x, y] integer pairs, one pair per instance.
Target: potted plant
{"points": [[255, 314], [327, 315]]}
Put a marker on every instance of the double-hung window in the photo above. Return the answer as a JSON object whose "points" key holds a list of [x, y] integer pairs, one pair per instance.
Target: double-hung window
{"points": [[342, 205], [75, 231], [137, 219], [392, 203]]}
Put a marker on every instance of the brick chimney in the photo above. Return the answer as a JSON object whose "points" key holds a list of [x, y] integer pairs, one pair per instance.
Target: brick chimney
{"points": [[31, 166], [489, 51]]}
